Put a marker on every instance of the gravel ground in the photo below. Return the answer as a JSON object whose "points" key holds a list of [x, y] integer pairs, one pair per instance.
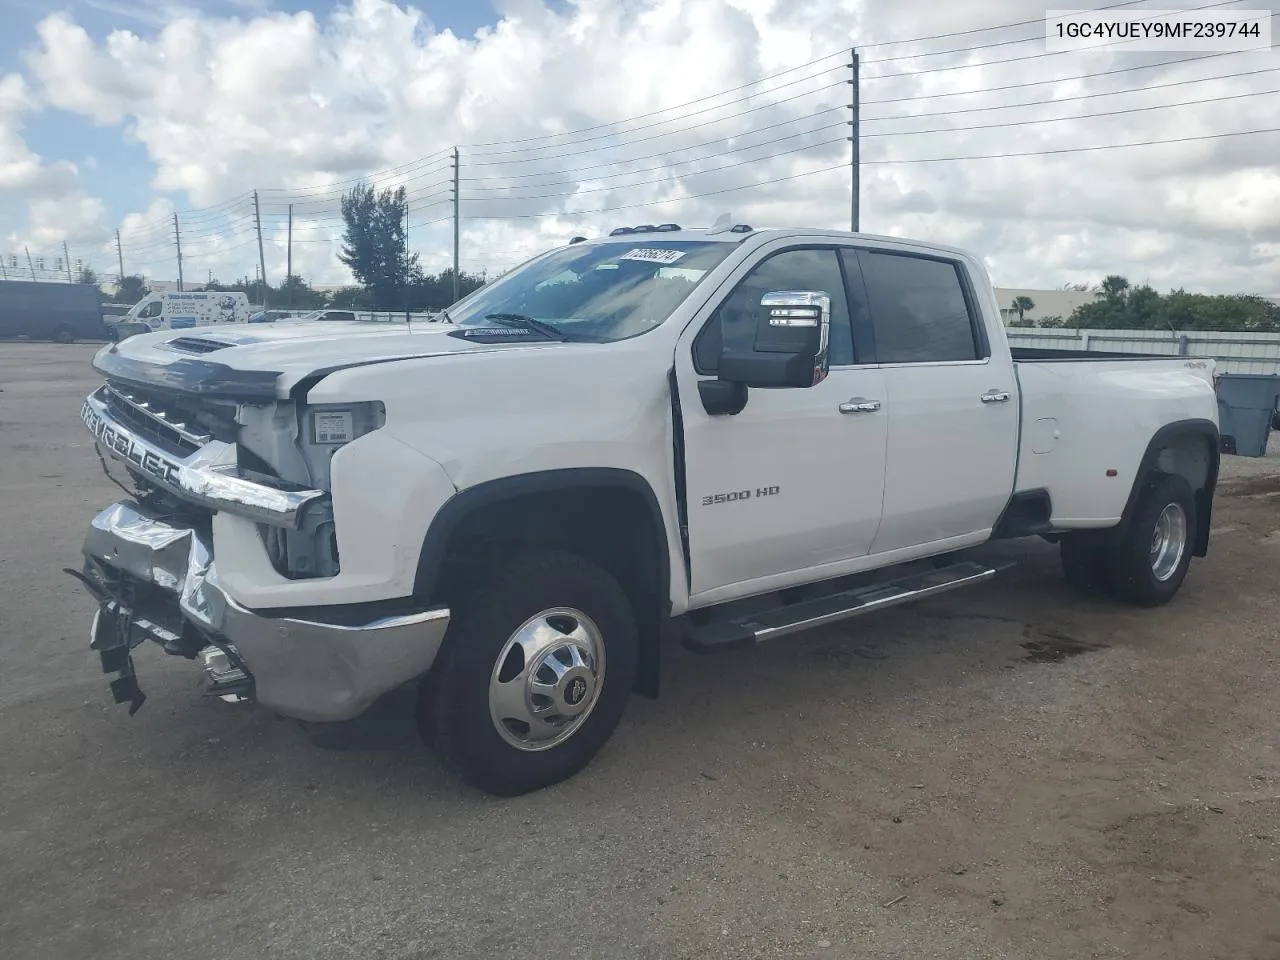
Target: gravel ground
{"points": [[1012, 771]]}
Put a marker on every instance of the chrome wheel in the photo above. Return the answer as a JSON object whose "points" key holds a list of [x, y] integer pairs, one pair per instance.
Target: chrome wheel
{"points": [[1168, 541], [547, 679]]}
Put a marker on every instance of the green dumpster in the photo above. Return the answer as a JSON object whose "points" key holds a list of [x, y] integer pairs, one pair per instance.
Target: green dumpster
{"points": [[1246, 404]]}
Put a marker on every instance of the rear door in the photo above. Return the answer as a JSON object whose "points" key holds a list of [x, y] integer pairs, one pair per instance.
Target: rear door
{"points": [[951, 404], [789, 489]]}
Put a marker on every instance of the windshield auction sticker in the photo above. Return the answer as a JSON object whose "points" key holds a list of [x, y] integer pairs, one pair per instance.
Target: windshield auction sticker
{"points": [[653, 255]]}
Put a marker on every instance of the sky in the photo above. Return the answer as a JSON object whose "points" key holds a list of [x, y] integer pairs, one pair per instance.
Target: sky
{"points": [[572, 117]]}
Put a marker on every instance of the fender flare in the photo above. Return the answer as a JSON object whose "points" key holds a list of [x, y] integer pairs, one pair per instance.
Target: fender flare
{"points": [[463, 504], [651, 618], [1196, 428]]}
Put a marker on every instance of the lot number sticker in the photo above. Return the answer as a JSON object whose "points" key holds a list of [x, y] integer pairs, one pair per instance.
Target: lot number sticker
{"points": [[651, 255], [333, 427]]}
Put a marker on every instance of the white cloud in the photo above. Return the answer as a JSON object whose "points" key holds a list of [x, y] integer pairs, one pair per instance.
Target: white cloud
{"points": [[296, 102], [56, 208]]}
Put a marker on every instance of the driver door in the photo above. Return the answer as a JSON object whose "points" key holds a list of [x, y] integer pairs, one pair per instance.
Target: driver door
{"points": [[790, 489]]}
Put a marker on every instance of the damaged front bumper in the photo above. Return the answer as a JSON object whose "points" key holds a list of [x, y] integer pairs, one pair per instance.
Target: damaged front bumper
{"points": [[155, 579]]}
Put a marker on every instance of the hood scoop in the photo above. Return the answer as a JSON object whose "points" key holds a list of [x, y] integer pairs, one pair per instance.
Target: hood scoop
{"points": [[198, 345]]}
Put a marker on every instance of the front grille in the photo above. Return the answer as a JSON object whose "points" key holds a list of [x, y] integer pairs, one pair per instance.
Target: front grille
{"points": [[178, 426]]}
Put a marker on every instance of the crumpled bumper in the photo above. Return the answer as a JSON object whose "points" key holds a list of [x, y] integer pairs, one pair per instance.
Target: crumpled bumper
{"points": [[155, 579]]}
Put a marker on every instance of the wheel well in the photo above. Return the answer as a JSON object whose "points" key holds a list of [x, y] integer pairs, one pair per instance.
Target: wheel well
{"points": [[614, 525], [1190, 450]]}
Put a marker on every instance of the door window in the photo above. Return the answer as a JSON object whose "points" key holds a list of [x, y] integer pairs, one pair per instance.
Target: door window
{"points": [[919, 310], [735, 320], [151, 310]]}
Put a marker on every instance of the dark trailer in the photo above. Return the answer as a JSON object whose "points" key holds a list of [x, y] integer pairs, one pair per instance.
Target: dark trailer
{"points": [[62, 312]]}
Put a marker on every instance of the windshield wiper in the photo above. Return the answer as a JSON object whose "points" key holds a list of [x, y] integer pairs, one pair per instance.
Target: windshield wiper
{"points": [[529, 323]]}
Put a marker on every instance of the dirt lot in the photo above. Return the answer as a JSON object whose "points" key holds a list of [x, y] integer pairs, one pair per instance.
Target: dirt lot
{"points": [[1010, 772]]}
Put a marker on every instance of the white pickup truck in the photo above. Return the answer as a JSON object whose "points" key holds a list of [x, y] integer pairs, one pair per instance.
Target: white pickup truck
{"points": [[724, 435]]}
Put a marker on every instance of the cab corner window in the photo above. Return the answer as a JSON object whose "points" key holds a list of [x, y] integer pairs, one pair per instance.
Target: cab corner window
{"points": [[735, 320], [918, 309]]}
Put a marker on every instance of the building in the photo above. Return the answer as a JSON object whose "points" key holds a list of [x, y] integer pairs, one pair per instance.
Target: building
{"points": [[1048, 303]]}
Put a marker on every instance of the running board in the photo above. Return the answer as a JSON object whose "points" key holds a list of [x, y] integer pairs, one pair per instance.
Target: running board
{"points": [[751, 629]]}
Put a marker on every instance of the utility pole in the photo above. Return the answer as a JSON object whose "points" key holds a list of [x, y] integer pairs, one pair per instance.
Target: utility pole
{"points": [[262, 260], [30, 265], [855, 155], [288, 270], [3, 269], [66, 258], [120, 257], [177, 239], [406, 258], [456, 204]]}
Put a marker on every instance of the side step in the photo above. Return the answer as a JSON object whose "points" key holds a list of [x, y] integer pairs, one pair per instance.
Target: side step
{"points": [[751, 629]]}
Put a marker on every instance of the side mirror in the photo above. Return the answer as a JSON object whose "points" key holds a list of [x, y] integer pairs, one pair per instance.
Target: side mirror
{"points": [[790, 349]]}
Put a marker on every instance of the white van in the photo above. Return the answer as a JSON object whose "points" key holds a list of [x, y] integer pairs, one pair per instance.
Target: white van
{"points": [[176, 311]]}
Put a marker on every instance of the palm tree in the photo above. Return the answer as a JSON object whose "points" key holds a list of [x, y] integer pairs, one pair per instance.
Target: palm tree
{"points": [[1021, 305]]}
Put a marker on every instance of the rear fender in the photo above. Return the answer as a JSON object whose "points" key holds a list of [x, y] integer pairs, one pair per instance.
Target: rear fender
{"points": [[1186, 448]]}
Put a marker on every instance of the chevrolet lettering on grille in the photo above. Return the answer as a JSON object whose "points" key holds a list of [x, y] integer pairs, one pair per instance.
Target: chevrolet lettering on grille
{"points": [[122, 445]]}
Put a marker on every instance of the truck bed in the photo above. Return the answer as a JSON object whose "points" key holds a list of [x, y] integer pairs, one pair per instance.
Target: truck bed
{"points": [[1049, 355]]}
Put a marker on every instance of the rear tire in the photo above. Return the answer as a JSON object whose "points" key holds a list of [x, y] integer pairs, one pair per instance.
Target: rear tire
{"points": [[1148, 566], [534, 673], [63, 334]]}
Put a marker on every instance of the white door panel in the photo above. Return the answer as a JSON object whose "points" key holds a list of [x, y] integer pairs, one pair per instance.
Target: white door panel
{"points": [[950, 462], [788, 484]]}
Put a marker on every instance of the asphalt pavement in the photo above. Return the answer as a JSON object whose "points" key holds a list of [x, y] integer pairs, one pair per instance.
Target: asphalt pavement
{"points": [[1013, 771]]}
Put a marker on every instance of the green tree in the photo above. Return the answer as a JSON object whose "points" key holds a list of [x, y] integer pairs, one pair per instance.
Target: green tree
{"points": [[1022, 304], [1115, 288], [1122, 306], [296, 294], [375, 245], [131, 289], [87, 277]]}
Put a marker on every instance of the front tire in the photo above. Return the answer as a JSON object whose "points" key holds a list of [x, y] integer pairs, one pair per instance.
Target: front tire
{"points": [[63, 334], [533, 675], [1149, 565]]}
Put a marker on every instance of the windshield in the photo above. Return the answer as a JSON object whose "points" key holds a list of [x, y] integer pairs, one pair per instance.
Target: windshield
{"points": [[605, 292]]}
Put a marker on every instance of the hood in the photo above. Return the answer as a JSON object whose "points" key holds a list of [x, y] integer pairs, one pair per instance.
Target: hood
{"points": [[268, 361]]}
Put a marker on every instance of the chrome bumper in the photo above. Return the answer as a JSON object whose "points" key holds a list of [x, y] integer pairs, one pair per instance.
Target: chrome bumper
{"points": [[156, 580], [208, 477]]}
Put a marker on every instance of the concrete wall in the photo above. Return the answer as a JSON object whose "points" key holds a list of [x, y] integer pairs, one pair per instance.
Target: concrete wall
{"points": [[1048, 303], [1234, 352]]}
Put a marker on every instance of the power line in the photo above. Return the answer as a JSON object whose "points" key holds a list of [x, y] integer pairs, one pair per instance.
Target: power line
{"points": [[654, 203], [1082, 96], [1041, 83], [678, 106], [783, 153], [321, 191], [664, 153], [932, 130], [1062, 150], [1031, 56], [1078, 116], [649, 183], [1003, 26], [843, 166], [380, 174], [665, 166], [838, 53], [1005, 43], [720, 106]]}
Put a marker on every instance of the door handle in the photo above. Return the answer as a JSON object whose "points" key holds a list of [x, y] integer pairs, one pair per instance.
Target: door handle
{"points": [[859, 405], [995, 396]]}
